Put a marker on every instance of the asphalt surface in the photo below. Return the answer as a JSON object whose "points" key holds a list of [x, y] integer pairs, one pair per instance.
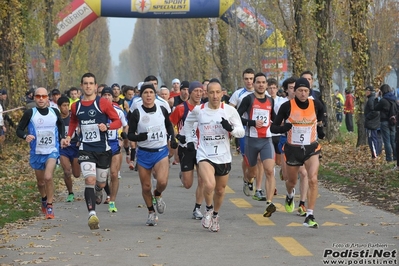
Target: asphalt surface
{"points": [[350, 232]]}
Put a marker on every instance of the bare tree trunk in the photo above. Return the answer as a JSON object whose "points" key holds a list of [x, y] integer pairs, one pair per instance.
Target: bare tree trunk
{"points": [[324, 63], [358, 22], [48, 50]]}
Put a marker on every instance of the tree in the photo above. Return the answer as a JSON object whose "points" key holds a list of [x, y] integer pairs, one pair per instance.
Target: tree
{"points": [[359, 25]]}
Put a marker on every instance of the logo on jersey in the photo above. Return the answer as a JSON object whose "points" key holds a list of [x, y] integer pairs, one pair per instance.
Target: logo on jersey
{"points": [[92, 113]]}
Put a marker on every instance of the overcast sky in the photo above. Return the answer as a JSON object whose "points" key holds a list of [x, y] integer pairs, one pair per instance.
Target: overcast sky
{"points": [[121, 31]]}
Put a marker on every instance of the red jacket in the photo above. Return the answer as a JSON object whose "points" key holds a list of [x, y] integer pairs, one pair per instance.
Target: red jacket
{"points": [[349, 104]]}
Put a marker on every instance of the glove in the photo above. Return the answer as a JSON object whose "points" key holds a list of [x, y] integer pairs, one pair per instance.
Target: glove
{"points": [[320, 133], [142, 136], [226, 125], [173, 143], [181, 138], [286, 127], [190, 146], [123, 135]]}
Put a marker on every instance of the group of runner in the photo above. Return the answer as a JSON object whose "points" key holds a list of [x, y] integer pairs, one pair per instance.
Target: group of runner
{"points": [[197, 122]]}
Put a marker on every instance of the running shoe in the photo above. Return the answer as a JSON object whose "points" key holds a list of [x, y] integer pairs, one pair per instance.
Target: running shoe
{"points": [[152, 219], [70, 198], [269, 210], [111, 207], [207, 219], [131, 165], [160, 205], [197, 215], [107, 200], [310, 222], [94, 222], [289, 204], [44, 206], [215, 227], [302, 210], [49, 212], [248, 189], [99, 196], [259, 195]]}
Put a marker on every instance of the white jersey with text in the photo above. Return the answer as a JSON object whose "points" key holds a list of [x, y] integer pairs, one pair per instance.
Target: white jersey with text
{"points": [[154, 125]]}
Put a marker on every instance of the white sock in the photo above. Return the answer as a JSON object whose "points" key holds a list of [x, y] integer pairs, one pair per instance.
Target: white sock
{"points": [[92, 213], [309, 212]]}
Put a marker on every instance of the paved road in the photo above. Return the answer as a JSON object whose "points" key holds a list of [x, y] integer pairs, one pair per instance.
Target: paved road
{"points": [[349, 231]]}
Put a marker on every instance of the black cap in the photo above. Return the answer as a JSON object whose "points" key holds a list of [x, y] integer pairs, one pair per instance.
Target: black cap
{"points": [[55, 91], [147, 85], [370, 88], [115, 85], [107, 90], [184, 84], [301, 82]]}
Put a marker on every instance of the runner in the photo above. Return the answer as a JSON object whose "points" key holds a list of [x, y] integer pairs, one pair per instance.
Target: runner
{"points": [[303, 124], [188, 158], [152, 125], [46, 132], [216, 121], [69, 155], [92, 114], [258, 141]]}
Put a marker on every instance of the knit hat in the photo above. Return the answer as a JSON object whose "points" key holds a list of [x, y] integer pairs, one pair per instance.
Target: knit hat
{"points": [[184, 85], [147, 85], [301, 82], [107, 90], [370, 88], [193, 86], [55, 91]]}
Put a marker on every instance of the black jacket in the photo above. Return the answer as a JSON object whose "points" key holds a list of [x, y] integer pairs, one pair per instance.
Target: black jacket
{"points": [[384, 105], [371, 117]]}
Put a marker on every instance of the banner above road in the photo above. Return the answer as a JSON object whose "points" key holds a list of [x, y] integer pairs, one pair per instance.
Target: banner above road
{"points": [[81, 13]]}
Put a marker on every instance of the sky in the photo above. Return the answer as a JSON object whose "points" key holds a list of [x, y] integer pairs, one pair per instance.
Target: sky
{"points": [[121, 31]]}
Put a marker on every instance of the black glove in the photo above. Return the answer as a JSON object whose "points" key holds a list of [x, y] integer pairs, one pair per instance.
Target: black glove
{"points": [[286, 127], [181, 138], [320, 133], [226, 125], [142, 136], [190, 146], [173, 143], [123, 135]]}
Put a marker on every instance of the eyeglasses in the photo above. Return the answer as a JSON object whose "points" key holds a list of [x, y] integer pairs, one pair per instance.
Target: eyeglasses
{"points": [[38, 96]]}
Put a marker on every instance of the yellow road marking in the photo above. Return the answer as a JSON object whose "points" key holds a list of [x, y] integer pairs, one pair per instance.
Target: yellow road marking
{"points": [[294, 224], [279, 207], [260, 220], [340, 208], [293, 246], [229, 190], [241, 203], [331, 224]]}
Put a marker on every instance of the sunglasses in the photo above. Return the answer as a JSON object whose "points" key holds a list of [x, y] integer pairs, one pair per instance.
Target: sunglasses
{"points": [[38, 96]]}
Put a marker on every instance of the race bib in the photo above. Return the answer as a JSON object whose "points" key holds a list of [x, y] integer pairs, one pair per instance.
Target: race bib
{"points": [[301, 135], [261, 114], [45, 139], [90, 133], [155, 133], [214, 147]]}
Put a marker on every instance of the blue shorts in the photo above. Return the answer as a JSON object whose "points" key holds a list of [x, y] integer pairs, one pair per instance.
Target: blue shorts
{"points": [[38, 161], [242, 145], [115, 148], [147, 158], [71, 152], [283, 140]]}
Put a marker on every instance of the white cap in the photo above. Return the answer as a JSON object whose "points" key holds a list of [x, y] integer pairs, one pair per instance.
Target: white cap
{"points": [[175, 81], [139, 85]]}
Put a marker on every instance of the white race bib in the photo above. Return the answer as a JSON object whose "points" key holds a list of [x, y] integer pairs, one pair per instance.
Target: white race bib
{"points": [[301, 135], [155, 133], [90, 133], [261, 114], [45, 139]]}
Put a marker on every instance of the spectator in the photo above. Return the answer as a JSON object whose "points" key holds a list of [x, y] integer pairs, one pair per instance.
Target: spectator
{"points": [[349, 110], [388, 131], [372, 123]]}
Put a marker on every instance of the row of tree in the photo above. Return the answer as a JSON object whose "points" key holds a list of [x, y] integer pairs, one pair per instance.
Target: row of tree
{"points": [[28, 49], [350, 43]]}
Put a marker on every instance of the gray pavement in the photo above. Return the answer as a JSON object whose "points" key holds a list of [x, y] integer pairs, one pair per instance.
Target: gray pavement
{"points": [[350, 232]]}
